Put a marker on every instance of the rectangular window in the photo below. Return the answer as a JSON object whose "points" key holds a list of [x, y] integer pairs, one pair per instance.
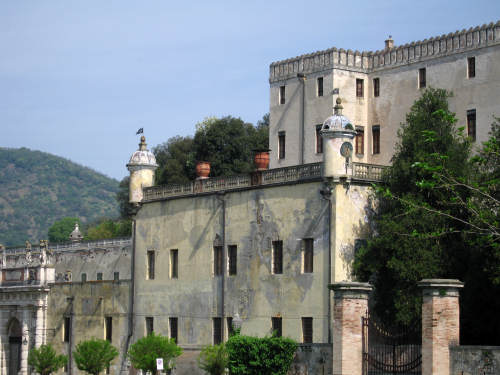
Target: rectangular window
{"points": [[281, 145], [151, 265], [232, 250], [307, 330], [277, 326], [320, 86], [471, 124], [471, 67], [359, 88], [217, 326], [172, 322], [66, 328], [308, 255], [230, 328], [282, 94], [99, 276], [319, 140], [277, 257], [217, 260], [376, 87], [376, 139], [108, 328], [116, 276], [174, 264], [149, 325], [422, 79], [84, 277], [360, 140]]}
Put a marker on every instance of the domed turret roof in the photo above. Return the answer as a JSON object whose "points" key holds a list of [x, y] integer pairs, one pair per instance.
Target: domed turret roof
{"points": [[337, 121], [142, 157], [76, 235]]}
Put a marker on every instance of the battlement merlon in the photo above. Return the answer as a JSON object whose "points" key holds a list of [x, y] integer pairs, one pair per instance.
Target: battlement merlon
{"points": [[452, 43]]}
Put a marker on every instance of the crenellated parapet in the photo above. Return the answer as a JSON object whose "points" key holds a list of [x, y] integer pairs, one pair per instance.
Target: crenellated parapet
{"points": [[449, 44]]}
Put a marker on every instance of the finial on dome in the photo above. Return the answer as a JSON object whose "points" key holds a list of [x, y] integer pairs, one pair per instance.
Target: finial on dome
{"points": [[337, 110], [142, 145]]}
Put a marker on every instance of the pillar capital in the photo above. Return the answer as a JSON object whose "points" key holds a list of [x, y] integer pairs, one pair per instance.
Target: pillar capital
{"points": [[351, 290], [440, 287]]}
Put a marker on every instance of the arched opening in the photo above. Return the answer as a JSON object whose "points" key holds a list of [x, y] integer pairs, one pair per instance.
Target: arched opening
{"points": [[15, 342]]}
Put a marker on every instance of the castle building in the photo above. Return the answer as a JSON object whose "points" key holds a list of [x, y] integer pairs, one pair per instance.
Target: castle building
{"points": [[256, 251]]}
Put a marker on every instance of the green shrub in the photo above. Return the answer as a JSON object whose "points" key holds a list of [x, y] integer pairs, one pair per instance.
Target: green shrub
{"points": [[45, 360], [94, 355], [214, 359]]}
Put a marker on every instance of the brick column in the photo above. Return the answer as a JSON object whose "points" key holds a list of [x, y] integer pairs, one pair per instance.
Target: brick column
{"points": [[440, 324], [349, 306]]}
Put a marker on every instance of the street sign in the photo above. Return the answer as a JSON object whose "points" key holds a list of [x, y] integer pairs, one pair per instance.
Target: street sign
{"points": [[159, 363]]}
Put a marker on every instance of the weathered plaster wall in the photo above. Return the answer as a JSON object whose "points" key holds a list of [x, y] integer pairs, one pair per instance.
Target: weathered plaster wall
{"points": [[471, 360]]}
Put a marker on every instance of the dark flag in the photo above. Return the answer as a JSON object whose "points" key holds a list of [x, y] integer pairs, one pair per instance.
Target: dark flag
{"points": [[140, 131], [335, 91]]}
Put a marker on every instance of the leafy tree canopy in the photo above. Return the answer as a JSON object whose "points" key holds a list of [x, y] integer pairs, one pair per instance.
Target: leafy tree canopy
{"points": [[61, 229], [143, 353], [93, 356], [45, 360], [108, 228], [175, 161]]}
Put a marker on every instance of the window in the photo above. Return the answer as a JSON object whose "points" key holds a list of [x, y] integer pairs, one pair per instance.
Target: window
{"points": [[320, 86], [308, 255], [232, 259], [281, 145], [276, 323], [99, 276], [277, 257], [359, 88], [149, 325], [319, 140], [471, 67], [151, 265], [422, 81], [360, 140], [108, 328], [217, 326], [84, 277], [282, 94], [376, 139], [471, 124], [66, 328], [172, 322], [307, 330], [217, 260], [230, 328], [174, 264], [116, 276], [376, 87]]}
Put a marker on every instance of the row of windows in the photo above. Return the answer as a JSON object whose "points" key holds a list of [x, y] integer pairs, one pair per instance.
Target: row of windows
{"points": [[360, 92], [217, 328], [232, 259], [116, 276]]}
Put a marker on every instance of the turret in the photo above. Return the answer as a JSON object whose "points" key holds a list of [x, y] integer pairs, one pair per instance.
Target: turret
{"points": [[338, 133], [142, 166]]}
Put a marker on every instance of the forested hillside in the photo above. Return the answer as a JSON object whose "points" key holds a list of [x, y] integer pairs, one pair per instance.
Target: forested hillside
{"points": [[37, 188]]}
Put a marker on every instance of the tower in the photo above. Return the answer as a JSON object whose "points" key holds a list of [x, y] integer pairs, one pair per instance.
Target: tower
{"points": [[142, 166]]}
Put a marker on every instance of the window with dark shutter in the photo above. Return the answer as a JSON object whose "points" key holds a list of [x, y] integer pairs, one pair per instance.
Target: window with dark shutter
{"points": [[376, 139], [218, 260], [277, 257], [277, 326], [307, 330], [282, 94], [281, 145], [151, 265], [116, 276], [232, 249], [149, 325], [99, 275], [359, 88], [174, 264], [471, 67], [376, 87], [84, 277], [319, 140], [67, 328], [308, 255], [217, 326], [471, 124], [230, 328], [320, 86], [173, 328], [109, 328], [360, 140], [422, 79]]}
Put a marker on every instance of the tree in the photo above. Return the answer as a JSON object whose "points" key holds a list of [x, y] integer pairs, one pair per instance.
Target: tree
{"points": [[93, 356], [214, 359], [45, 360], [108, 228], [175, 160], [122, 197], [145, 351], [61, 229]]}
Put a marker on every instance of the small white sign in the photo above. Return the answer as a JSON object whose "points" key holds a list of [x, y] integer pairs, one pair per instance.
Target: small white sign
{"points": [[159, 363]]}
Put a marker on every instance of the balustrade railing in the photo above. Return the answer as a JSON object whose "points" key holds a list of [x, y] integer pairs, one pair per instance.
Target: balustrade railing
{"points": [[367, 172], [72, 245]]}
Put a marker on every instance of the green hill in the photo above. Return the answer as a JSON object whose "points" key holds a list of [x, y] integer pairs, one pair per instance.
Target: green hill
{"points": [[37, 188]]}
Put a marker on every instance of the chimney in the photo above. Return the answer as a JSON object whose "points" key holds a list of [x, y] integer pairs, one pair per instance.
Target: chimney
{"points": [[389, 43]]}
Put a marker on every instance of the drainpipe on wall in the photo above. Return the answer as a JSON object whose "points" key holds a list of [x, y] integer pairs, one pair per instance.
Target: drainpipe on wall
{"points": [[327, 195], [220, 197], [70, 343], [302, 78]]}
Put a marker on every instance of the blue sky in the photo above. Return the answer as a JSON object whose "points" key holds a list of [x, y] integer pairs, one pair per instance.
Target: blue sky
{"points": [[78, 78]]}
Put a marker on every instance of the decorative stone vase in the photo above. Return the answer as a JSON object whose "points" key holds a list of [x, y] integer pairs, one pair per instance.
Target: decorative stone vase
{"points": [[202, 169], [261, 160]]}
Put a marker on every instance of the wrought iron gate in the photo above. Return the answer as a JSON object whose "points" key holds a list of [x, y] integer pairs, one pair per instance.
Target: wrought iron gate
{"points": [[387, 352]]}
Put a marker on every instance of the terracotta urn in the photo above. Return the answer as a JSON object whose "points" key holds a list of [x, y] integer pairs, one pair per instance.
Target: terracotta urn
{"points": [[202, 169], [261, 160]]}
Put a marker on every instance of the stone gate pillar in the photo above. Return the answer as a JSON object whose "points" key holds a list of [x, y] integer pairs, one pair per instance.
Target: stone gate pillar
{"points": [[349, 306], [440, 324]]}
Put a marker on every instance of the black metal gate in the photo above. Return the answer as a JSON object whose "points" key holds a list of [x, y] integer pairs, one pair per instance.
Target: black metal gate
{"points": [[388, 352]]}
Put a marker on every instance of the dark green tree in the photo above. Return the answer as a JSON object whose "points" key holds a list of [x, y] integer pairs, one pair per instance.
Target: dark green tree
{"points": [[144, 352], [61, 229], [214, 359], [122, 197], [175, 160], [45, 360], [94, 355], [108, 228]]}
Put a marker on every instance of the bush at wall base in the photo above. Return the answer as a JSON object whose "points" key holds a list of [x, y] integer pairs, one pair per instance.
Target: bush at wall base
{"points": [[260, 356]]}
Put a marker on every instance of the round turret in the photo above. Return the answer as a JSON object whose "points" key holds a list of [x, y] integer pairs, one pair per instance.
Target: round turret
{"points": [[76, 235], [142, 166]]}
